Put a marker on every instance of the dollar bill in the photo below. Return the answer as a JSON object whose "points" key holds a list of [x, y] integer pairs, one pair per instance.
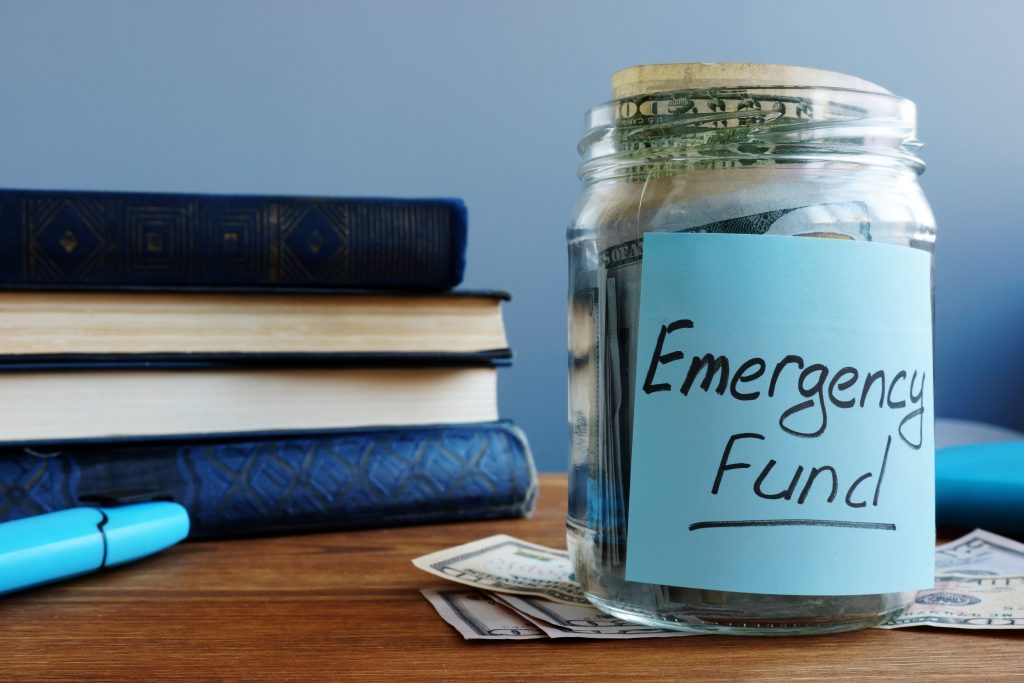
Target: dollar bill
{"points": [[507, 565], [578, 621], [967, 603], [980, 553], [477, 616], [980, 585]]}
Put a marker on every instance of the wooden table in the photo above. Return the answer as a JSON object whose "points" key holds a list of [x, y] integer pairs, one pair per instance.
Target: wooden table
{"points": [[346, 606]]}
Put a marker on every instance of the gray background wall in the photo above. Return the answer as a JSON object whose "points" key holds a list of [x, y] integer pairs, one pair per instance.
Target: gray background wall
{"points": [[484, 100]]}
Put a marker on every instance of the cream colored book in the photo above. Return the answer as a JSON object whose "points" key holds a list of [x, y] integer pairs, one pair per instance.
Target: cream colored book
{"points": [[46, 407], [40, 325]]}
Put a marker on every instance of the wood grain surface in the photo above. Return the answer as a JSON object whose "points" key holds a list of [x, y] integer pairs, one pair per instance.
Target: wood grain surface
{"points": [[346, 606]]}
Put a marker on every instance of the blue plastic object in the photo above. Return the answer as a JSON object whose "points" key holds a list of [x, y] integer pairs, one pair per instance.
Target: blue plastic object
{"points": [[981, 485], [135, 531], [59, 545]]}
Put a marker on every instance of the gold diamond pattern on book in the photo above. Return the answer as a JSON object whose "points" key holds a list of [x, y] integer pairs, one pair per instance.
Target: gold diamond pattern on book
{"points": [[314, 241], [65, 239]]}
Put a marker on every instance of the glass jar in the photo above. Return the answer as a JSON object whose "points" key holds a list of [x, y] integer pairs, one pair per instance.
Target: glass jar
{"points": [[713, 148]]}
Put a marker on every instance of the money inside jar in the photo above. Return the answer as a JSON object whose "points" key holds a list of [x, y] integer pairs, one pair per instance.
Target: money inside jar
{"points": [[750, 413]]}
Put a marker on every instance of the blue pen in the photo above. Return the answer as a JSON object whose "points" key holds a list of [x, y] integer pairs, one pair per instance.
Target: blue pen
{"points": [[59, 545]]}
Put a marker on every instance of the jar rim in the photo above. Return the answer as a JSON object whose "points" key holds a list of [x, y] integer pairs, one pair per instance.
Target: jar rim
{"points": [[753, 123]]}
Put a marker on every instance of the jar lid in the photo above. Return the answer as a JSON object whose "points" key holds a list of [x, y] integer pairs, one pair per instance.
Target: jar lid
{"points": [[652, 78]]}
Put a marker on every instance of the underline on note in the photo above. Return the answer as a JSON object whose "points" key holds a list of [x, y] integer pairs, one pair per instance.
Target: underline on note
{"points": [[878, 526]]}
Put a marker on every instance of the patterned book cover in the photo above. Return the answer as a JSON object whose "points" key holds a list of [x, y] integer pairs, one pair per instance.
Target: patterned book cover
{"points": [[107, 240], [243, 486]]}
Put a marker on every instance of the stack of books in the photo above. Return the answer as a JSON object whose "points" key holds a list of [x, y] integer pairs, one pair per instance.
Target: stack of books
{"points": [[273, 364]]}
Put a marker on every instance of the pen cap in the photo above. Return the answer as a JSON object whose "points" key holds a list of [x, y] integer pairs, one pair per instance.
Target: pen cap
{"points": [[135, 531]]}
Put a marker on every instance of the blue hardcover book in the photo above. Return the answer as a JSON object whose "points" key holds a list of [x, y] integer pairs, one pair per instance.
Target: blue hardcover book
{"points": [[111, 240], [243, 485]]}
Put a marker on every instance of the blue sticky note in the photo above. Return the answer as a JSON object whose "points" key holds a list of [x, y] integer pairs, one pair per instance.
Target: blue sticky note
{"points": [[783, 416]]}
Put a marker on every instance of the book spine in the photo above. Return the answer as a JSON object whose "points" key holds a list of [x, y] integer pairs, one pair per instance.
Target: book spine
{"points": [[109, 240], [245, 486]]}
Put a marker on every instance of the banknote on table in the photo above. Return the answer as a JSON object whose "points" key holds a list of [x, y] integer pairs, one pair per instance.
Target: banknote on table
{"points": [[507, 565], [968, 603], [578, 621], [980, 553], [979, 585], [477, 616]]}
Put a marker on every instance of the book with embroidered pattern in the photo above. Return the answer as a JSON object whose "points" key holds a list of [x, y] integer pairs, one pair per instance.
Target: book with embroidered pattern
{"points": [[245, 485]]}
